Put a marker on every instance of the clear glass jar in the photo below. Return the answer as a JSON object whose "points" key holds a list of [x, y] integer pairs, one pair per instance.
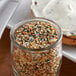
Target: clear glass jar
{"points": [[36, 62]]}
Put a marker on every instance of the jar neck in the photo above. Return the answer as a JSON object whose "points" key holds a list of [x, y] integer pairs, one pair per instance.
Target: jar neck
{"points": [[36, 19]]}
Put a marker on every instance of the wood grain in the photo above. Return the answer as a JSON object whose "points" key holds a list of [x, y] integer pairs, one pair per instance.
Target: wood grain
{"points": [[68, 67]]}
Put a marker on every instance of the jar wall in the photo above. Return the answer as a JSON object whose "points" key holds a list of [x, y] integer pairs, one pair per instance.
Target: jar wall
{"points": [[36, 63], [45, 62]]}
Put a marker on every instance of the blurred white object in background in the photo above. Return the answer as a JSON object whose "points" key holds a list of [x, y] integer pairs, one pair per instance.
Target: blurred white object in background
{"points": [[7, 8], [63, 12], [21, 13], [38, 6]]}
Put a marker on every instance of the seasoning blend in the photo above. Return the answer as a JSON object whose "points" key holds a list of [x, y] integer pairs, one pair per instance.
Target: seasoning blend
{"points": [[36, 48]]}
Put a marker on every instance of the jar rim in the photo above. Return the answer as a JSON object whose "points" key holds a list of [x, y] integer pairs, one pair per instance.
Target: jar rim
{"points": [[13, 29]]}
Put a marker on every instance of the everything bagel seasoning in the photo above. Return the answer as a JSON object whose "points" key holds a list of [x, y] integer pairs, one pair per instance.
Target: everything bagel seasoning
{"points": [[36, 35]]}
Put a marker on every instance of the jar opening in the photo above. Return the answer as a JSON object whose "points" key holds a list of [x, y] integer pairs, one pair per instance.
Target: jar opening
{"points": [[14, 29]]}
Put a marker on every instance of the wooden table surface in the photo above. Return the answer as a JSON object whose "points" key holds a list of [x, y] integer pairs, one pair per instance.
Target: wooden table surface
{"points": [[68, 67]]}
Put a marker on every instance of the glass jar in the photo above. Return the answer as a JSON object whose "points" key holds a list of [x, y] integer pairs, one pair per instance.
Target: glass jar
{"points": [[44, 61]]}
